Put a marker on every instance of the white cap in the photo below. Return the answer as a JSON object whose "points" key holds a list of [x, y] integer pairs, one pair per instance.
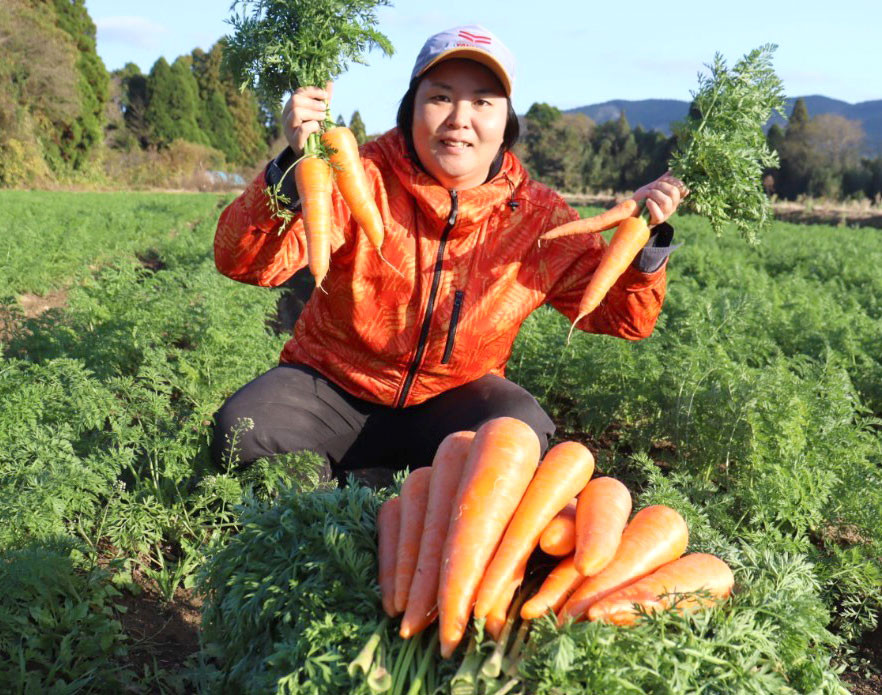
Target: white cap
{"points": [[470, 41]]}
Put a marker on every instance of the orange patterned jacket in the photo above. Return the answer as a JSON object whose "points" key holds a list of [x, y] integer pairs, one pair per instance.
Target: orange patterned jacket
{"points": [[471, 272]]}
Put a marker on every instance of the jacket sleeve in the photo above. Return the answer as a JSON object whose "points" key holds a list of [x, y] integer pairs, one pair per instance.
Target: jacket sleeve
{"points": [[632, 306], [253, 245]]}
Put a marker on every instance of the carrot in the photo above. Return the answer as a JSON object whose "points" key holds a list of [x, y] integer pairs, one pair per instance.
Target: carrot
{"points": [[313, 178], [447, 469], [414, 498], [559, 537], [353, 183], [664, 588], [388, 526], [630, 237], [599, 223], [500, 465], [656, 535], [555, 590], [601, 516], [564, 471], [499, 612]]}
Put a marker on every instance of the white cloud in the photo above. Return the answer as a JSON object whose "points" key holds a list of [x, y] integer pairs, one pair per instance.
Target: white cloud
{"points": [[131, 31]]}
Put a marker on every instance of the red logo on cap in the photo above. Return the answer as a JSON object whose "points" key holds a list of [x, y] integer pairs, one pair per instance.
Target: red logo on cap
{"points": [[474, 38]]}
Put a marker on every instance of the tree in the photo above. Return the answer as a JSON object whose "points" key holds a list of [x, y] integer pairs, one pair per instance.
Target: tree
{"points": [[214, 118], [542, 114], [133, 99], [40, 103], [340, 122], [79, 141], [554, 146], [255, 123], [356, 125], [173, 103]]}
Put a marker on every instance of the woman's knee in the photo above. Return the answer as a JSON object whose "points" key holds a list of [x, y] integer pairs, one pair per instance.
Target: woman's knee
{"points": [[502, 398]]}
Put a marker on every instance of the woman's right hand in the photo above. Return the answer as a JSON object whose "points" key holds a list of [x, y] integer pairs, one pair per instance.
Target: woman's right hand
{"points": [[303, 114]]}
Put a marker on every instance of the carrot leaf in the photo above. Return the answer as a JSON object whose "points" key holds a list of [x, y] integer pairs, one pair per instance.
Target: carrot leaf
{"points": [[721, 148], [280, 45]]}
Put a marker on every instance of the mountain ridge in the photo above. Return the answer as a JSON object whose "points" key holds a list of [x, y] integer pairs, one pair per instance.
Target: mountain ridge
{"points": [[659, 114]]}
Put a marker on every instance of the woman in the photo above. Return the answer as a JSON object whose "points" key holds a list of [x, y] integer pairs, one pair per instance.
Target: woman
{"points": [[384, 363]]}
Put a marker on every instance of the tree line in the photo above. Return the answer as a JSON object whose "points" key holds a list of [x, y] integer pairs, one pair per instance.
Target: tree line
{"points": [[819, 156], [64, 117]]}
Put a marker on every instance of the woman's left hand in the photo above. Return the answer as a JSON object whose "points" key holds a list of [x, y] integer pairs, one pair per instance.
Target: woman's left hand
{"points": [[662, 197]]}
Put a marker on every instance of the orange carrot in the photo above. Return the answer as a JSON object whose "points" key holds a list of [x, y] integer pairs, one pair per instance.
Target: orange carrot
{"points": [[555, 590], [656, 535], [388, 526], [500, 465], [599, 223], [313, 178], [564, 471], [601, 516], [447, 470], [630, 237], [414, 498], [499, 613], [559, 537], [659, 590], [353, 183]]}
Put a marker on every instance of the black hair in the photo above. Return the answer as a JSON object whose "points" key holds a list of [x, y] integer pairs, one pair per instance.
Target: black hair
{"points": [[404, 121]]}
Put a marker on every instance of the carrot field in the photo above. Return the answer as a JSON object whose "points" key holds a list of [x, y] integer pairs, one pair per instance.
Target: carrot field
{"points": [[129, 563]]}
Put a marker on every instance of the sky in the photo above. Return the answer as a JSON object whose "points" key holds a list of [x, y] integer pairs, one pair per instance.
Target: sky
{"points": [[569, 52]]}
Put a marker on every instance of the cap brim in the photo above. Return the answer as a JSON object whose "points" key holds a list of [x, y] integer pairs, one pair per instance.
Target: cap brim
{"points": [[479, 56]]}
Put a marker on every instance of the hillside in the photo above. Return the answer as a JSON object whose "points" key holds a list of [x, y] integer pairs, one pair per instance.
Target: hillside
{"points": [[658, 114]]}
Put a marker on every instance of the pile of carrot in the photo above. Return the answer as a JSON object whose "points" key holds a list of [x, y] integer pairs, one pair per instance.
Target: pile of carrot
{"points": [[456, 542]]}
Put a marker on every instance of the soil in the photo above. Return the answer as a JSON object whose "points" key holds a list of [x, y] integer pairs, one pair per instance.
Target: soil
{"points": [[32, 306], [868, 679], [162, 633]]}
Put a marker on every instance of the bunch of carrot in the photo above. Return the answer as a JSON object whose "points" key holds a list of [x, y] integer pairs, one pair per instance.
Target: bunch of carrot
{"points": [[456, 541], [313, 173]]}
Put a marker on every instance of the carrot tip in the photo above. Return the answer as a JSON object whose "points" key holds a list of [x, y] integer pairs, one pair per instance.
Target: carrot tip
{"points": [[383, 258], [573, 327]]}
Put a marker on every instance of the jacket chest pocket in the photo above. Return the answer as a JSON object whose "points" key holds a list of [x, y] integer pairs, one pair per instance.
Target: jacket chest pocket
{"points": [[451, 331]]}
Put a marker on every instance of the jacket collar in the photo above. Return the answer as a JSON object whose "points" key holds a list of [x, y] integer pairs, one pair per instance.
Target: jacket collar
{"points": [[475, 205]]}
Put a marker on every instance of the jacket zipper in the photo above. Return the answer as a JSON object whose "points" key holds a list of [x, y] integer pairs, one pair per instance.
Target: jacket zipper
{"points": [[436, 281], [451, 332]]}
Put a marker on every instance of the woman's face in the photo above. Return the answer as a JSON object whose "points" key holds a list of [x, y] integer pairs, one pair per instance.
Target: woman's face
{"points": [[459, 120]]}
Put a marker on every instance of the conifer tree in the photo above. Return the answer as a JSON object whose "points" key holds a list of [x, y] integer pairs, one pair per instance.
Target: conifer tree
{"points": [[214, 117], [173, 103], [356, 125], [247, 114]]}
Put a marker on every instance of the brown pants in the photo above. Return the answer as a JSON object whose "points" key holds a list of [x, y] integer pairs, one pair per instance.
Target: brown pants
{"points": [[293, 407]]}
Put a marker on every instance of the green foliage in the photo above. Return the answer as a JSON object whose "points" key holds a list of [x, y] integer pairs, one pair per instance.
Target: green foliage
{"points": [[173, 103], [293, 596], [753, 410], [280, 45], [58, 631], [722, 151], [54, 91], [214, 118], [543, 114], [356, 125], [766, 640], [80, 141]]}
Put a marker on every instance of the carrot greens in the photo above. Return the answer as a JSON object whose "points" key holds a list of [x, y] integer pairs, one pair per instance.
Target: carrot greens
{"points": [[722, 150], [280, 45]]}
